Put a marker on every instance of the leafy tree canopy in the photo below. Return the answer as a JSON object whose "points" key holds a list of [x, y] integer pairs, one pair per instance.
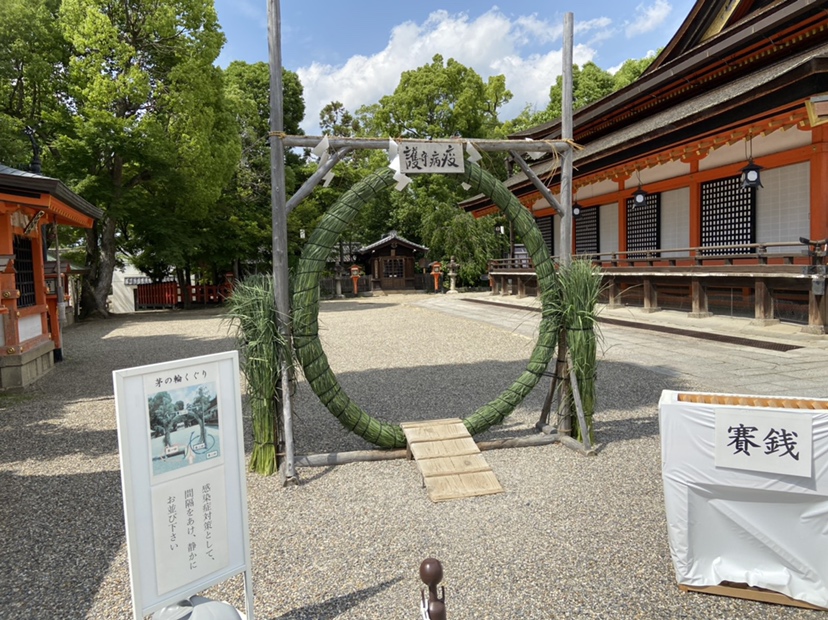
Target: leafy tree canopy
{"points": [[438, 100]]}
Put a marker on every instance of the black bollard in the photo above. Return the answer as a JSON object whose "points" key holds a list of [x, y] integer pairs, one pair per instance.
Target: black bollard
{"points": [[431, 573]]}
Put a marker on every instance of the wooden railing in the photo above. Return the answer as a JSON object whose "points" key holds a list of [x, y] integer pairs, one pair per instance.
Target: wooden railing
{"points": [[768, 276], [168, 295], [752, 253]]}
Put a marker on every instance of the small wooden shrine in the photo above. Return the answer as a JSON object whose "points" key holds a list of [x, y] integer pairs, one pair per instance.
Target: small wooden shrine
{"points": [[391, 263], [30, 340]]}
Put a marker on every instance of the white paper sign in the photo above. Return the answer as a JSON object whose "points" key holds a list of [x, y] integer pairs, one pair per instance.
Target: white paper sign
{"points": [[440, 157], [183, 475], [778, 442]]}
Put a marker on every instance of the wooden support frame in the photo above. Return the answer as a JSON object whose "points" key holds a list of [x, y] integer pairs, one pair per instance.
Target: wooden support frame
{"points": [[280, 208]]}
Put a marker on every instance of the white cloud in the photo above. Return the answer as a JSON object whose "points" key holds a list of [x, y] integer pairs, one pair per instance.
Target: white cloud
{"points": [[491, 44], [648, 18]]}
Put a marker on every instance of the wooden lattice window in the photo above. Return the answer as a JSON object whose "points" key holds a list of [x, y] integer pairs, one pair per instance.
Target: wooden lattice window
{"points": [[24, 277], [644, 225], [728, 215], [392, 268], [586, 232], [546, 225]]}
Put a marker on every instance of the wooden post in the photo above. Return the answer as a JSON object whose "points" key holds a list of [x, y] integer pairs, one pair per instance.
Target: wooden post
{"points": [[613, 294], [650, 296], [762, 304], [817, 310], [279, 219], [565, 251], [698, 294], [579, 406], [521, 287]]}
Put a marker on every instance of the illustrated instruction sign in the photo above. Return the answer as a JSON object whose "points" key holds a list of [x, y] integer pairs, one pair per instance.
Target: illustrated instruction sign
{"points": [[182, 470], [777, 442]]}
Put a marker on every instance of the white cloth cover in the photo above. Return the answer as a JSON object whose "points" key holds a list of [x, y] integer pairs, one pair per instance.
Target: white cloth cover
{"points": [[765, 530]]}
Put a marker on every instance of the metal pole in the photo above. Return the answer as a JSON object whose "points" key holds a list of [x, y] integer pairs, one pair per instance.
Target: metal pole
{"points": [[277, 195], [567, 134]]}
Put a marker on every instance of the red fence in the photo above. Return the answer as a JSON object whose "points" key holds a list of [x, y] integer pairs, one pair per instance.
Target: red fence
{"points": [[168, 295]]}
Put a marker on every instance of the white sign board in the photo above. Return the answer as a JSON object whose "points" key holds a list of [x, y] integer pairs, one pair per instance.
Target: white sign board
{"points": [[729, 519], [772, 441], [183, 475], [422, 157]]}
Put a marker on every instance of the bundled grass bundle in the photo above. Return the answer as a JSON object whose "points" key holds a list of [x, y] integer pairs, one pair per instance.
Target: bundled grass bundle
{"points": [[252, 309], [574, 306]]}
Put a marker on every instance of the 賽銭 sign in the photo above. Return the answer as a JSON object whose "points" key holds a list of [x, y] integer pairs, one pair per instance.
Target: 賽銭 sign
{"points": [[776, 442]]}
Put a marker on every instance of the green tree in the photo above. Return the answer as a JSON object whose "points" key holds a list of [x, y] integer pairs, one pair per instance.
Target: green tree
{"points": [[198, 410], [589, 84], [149, 131], [240, 224], [336, 120], [438, 100], [33, 57], [163, 415], [631, 70]]}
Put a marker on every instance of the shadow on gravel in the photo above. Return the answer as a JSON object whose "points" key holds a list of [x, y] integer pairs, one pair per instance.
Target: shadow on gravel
{"points": [[396, 395], [60, 535], [334, 607]]}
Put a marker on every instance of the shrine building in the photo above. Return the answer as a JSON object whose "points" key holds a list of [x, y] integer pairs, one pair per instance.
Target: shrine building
{"points": [[30, 330], [694, 185]]}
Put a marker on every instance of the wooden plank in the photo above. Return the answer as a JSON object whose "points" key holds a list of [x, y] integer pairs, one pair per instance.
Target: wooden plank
{"points": [[453, 465], [752, 594], [449, 447], [443, 488], [406, 425], [449, 460], [439, 432]]}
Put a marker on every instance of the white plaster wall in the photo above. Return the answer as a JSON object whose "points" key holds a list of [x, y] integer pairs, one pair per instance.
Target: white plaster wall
{"points": [[2, 331], [608, 228], [29, 327], [122, 301], [675, 220], [776, 142], [783, 205]]}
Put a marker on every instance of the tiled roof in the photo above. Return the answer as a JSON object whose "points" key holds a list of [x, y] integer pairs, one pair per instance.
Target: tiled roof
{"points": [[391, 236]]}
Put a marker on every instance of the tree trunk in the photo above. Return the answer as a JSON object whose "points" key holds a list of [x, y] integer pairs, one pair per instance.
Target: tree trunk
{"points": [[100, 258], [184, 287]]}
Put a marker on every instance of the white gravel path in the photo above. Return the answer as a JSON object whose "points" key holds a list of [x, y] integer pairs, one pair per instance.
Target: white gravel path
{"points": [[571, 537]]}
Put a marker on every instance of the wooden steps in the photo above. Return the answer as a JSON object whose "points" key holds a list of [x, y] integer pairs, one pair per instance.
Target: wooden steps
{"points": [[449, 460]]}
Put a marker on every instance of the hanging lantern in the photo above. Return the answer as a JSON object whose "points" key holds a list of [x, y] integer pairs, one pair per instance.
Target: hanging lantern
{"points": [[750, 175]]}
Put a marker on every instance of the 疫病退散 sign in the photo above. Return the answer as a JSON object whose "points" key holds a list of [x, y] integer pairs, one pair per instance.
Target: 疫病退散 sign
{"points": [[182, 469]]}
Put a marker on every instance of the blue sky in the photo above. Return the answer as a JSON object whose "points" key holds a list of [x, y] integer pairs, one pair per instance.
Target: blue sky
{"points": [[354, 51]]}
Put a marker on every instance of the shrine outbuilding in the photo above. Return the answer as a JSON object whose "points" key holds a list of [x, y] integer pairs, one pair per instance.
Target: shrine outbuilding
{"points": [[29, 312], [392, 263], [693, 186]]}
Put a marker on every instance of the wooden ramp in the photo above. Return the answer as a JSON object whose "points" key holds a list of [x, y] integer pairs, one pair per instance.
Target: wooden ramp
{"points": [[449, 460]]}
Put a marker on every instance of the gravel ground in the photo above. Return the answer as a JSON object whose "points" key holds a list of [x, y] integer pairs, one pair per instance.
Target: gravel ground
{"points": [[571, 537]]}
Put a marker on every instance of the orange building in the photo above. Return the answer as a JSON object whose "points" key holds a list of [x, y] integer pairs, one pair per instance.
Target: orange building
{"points": [[741, 87], [30, 332]]}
